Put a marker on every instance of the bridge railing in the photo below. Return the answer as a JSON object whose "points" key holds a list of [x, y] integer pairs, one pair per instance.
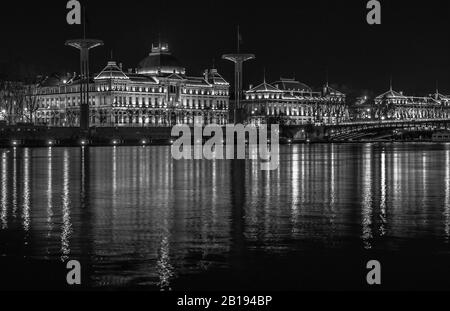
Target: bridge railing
{"points": [[386, 122]]}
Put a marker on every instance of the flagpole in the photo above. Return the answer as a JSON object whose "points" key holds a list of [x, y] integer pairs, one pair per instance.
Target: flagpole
{"points": [[84, 22], [238, 39], [84, 45]]}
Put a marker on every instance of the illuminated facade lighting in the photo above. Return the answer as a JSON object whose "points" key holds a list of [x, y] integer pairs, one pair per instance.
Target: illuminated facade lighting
{"points": [[158, 93]]}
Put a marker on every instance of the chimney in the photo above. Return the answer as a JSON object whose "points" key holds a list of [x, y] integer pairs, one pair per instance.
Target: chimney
{"points": [[206, 75], [250, 86], [120, 66], [130, 70]]}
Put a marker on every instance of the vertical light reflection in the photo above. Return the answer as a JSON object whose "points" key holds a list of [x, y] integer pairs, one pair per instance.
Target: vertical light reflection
{"points": [[26, 191], [303, 176], [256, 192], [165, 268], [4, 202], [83, 176], [333, 181], [447, 195], [396, 180], [269, 194], [383, 194], [66, 225], [367, 198], [49, 191], [256, 179], [295, 177], [14, 181], [424, 180], [324, 172], [114, 179], [214, 192]]}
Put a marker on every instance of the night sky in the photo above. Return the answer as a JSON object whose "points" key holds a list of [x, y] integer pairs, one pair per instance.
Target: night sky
{"points": [[290, 38]]}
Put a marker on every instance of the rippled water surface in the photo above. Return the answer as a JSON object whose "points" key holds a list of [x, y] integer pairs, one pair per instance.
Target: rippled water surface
{"points": [[136, 218]]}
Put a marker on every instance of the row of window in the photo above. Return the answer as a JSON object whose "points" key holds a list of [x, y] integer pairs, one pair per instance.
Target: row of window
{"points": [[409, 102], [65, 89], [171, 89], [122, 101], [279, 96], [125, 88], [287, 110]]}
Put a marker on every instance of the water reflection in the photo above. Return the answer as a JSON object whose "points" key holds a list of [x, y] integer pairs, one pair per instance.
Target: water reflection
{"points": [[383, 195], [66, 228], [4, 199], [14, 183], [447, 195], [26, 190], [50, 191], [140, 219], [367, 194]]}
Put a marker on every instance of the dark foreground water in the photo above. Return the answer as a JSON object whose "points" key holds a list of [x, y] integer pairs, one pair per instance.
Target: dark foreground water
{"points": [[136, 219]]}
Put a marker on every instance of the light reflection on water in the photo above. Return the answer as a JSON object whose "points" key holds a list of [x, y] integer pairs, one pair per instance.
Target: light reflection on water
{"points": [[141, 219], [447, 195], [4, 214]]}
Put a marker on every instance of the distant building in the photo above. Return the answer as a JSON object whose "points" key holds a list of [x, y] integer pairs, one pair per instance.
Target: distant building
{"points": [[158, 93], [362, 109], [291, 102], [393, 105]]}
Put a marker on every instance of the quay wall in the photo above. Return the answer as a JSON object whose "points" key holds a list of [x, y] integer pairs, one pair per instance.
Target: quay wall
{"points": [[67, 136]]}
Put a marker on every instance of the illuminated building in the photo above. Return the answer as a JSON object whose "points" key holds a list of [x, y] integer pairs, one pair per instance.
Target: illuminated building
{"points": [[293, 103], [393, 105], [158, 93]]}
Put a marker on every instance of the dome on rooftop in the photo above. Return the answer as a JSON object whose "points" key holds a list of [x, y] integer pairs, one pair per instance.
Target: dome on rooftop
{"points": [[160, 61]]}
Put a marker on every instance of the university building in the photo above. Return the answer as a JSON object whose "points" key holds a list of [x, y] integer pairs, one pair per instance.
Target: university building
{"points": [[158, 93], [291, 102], [393, 105]]}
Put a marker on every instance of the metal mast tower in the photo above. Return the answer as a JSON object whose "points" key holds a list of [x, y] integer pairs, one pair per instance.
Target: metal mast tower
{"points": [[84, 45], [238, 59]]}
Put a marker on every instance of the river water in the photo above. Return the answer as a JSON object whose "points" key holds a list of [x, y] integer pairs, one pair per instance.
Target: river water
{"points": [[135, 218]]}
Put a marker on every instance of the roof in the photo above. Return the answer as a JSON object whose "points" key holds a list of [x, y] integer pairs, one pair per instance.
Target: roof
{"points": [[111, 71], [56, 80], [51, 81], [135, 77], [214, 77], [440, 97], [174, 76], [328, 90], [391, 94], [264, 87], [160, 60], [197, 81], [292, 85]]}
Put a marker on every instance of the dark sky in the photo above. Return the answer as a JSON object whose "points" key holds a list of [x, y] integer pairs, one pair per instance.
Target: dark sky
{"points": [[301, 38]]}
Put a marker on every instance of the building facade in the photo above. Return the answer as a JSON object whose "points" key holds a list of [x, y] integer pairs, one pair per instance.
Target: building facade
{"points": [[393, 105], [158, 93], [291, 102]]}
